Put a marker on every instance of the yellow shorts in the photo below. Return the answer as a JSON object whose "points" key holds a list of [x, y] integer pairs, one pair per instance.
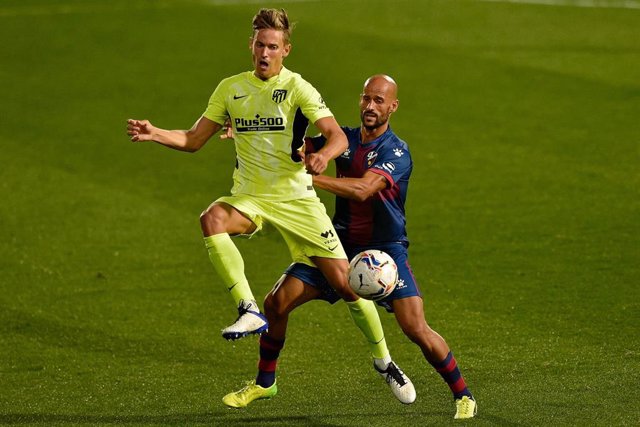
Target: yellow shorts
{"points": [[303, 223]]}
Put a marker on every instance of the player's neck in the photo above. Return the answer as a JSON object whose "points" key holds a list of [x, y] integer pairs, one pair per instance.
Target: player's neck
{"points": [[368, 135], [265, 78]]}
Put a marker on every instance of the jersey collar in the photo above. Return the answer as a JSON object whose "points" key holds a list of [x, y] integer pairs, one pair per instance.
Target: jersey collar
{"points": [[376, 141], [256, 81]]}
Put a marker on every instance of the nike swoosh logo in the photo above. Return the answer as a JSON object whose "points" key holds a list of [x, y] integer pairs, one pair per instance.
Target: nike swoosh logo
{"points": [[239, 96], [232, 286], [331, 249]]}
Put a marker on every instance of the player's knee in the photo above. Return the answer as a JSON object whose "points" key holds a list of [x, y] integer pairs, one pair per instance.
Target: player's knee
{"points": [[346, 293], [417, 332], [275, 307], [336, 274], [213, 220]]}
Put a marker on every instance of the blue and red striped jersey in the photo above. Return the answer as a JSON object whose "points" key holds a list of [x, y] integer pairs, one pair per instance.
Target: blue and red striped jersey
{"points": [[381, 218]]}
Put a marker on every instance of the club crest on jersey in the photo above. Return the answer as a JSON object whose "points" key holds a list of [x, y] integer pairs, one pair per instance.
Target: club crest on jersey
{"points": [[279, 95], [371, 156]]}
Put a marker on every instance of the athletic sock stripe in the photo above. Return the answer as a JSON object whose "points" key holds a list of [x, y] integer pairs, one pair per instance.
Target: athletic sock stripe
{"points": [[450, 366], [452, 377], [267, 365], [443, 363], [271, 343], [458, 386], [270, 347]]}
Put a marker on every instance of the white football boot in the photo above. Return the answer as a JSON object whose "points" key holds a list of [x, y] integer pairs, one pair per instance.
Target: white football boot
{"points": [[250, 321], [400, 384]]}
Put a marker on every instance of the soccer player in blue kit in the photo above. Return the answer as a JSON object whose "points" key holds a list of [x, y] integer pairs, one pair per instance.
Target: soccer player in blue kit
{"points": [[371, 189]]}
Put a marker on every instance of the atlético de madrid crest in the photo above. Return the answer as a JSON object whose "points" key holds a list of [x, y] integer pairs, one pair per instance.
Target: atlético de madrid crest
{"points": [[279, 95]]}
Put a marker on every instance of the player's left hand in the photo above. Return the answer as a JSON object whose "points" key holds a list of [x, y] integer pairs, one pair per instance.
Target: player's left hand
{"points": [[227, 130], [315, 163]]}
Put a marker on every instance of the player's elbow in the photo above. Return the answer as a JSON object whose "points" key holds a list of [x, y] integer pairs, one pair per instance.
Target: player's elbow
{"points": [[194, 143], [344, 143], [359, 197]]}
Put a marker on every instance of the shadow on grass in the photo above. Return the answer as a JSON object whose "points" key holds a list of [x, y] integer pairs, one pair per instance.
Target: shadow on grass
{"points": [[224, 418], [171, 419]]}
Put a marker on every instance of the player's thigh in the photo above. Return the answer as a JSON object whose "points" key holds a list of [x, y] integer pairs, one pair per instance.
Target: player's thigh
{"points": [[288, 293], [307, 230], [409, 313], [232, 215]]}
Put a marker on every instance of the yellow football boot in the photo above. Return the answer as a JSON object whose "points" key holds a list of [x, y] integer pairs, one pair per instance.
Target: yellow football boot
{"points": [[465, 408], [249, 393]]}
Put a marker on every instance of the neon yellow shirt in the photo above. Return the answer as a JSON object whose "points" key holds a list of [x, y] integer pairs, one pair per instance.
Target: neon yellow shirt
{"points": [[270, 119]]}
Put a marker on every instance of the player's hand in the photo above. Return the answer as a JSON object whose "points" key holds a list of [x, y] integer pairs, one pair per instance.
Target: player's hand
{"points": [[315, 163], [140, 130], [227, 130]]}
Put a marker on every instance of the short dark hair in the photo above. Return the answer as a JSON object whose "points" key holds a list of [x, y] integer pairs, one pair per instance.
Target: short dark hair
{"points": [[273, 19]]}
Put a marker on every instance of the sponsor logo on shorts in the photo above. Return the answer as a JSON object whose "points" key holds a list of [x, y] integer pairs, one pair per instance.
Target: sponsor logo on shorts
{"points": [[401, 284], [398, 152], [327, 234], [330, 240]]}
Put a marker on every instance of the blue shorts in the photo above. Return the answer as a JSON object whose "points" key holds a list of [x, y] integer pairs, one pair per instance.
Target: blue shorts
{"points": [[406, 287]]}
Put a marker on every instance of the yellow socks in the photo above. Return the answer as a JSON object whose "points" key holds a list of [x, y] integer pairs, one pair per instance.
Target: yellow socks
{"points": [[228, 263], [364, 314]]}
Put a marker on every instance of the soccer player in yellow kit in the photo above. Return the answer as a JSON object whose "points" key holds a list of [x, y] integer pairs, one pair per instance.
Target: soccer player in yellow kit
{"points": [[269, 109]]}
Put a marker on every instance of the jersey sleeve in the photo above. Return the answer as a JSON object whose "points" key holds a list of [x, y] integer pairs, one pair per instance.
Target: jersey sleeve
{"points": [[311, 103], [392, 163], [216, 109]]}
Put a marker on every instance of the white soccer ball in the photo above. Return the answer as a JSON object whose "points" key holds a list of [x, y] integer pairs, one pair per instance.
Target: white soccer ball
{"points": [[373, 274]]}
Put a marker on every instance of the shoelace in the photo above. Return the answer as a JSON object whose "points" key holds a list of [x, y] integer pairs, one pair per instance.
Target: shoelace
{"points": [[246, 387], [465, 405], [394, 373], [243, 308]]}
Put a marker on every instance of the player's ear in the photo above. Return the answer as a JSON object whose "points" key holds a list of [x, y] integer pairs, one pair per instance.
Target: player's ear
{"points": [[286, 50], [394, 105]]}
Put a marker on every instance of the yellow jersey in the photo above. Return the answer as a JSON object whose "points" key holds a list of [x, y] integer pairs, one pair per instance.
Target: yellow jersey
{"points": [[269, 120]]}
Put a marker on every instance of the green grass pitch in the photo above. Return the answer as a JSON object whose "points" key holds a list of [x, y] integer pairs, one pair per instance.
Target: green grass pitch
{"points": [[523, 213]]}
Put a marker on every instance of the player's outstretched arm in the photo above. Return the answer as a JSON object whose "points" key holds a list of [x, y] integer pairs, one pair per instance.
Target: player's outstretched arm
{"points": [[184, 140], [359, 189], [335, 145]]}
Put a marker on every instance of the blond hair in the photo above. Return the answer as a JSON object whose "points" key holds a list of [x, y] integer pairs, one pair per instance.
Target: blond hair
{"points": [[273, 19]]}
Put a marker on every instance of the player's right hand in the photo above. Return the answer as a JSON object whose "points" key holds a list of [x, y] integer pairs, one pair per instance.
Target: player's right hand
{"points": [[315, 163], [139, 130]]}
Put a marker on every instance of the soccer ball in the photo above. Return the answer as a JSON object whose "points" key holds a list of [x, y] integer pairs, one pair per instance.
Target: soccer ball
{"points": [[373, 274]]}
